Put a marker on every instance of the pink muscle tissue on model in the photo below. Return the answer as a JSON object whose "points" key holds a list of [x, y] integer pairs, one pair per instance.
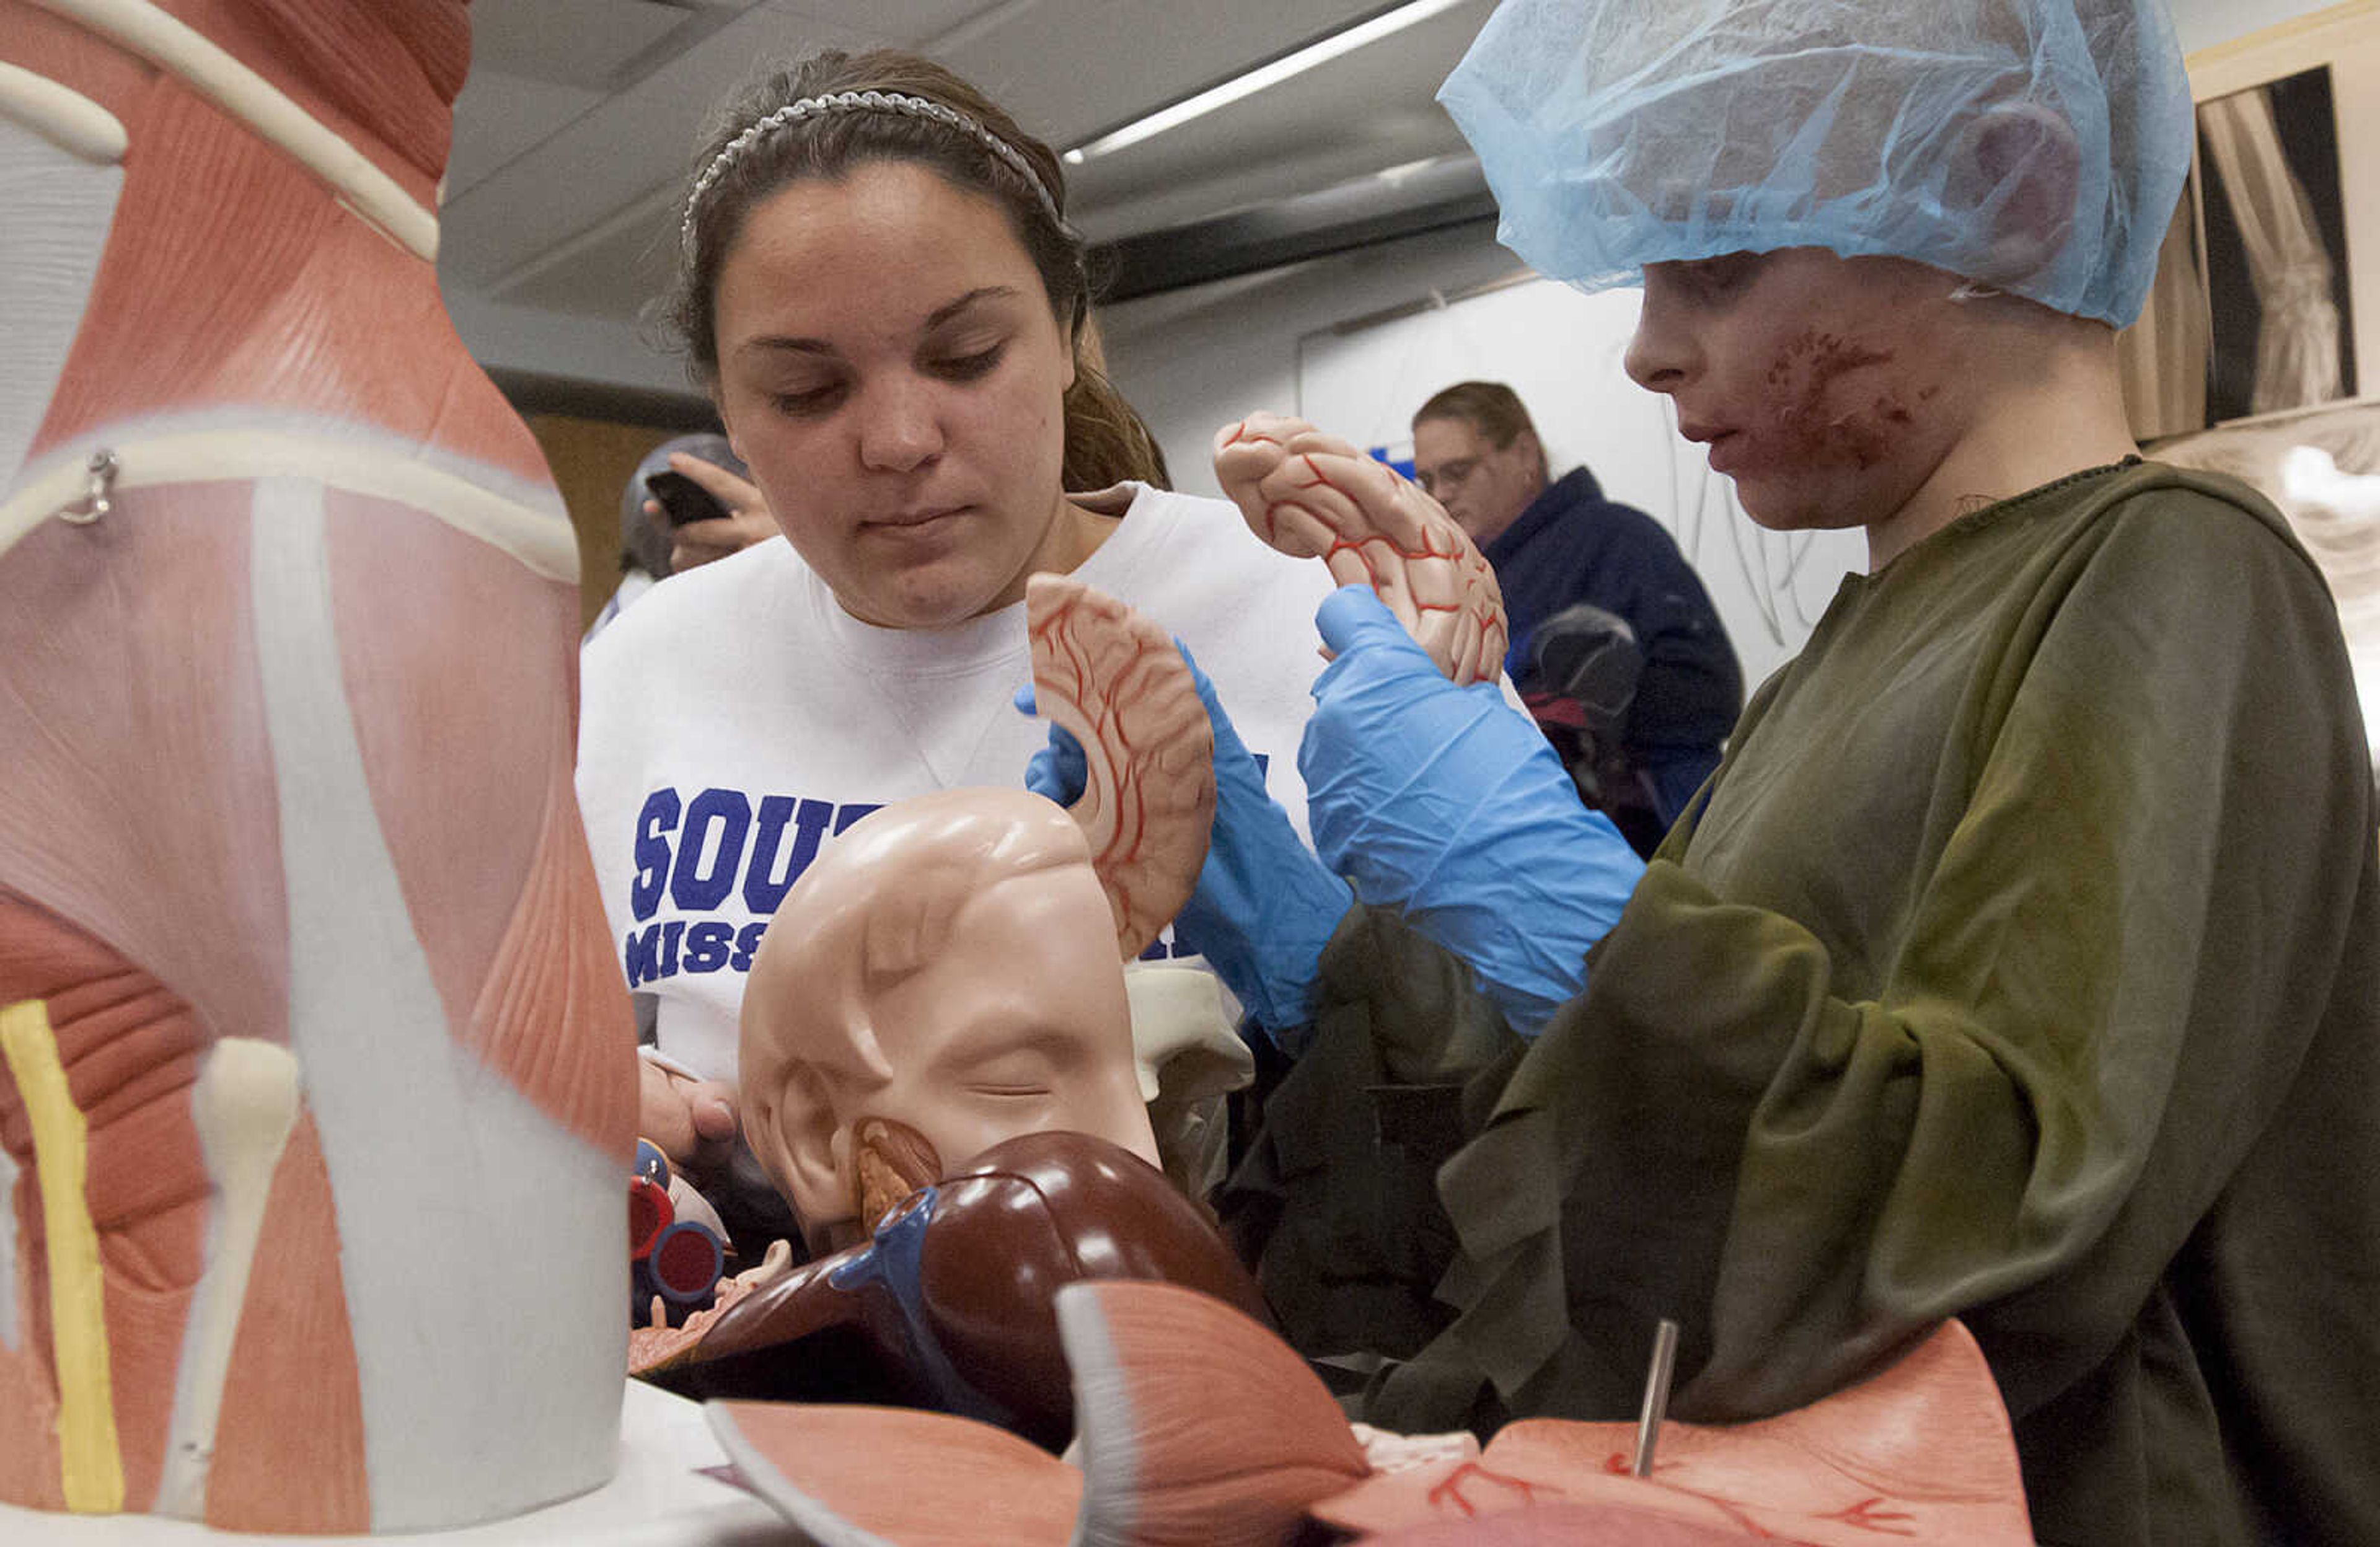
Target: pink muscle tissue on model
{"points": [[295, 907]]}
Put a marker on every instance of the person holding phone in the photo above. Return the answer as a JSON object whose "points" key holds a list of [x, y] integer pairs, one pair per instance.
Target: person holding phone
{"points": [[701, 492], [663, 498]]}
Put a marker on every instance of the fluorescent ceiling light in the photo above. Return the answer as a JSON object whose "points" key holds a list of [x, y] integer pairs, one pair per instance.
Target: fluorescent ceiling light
{"points": [[1296, 63]]}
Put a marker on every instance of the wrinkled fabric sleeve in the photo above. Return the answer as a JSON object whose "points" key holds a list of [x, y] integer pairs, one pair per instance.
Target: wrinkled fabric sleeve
{"points": [[2099, 999]]}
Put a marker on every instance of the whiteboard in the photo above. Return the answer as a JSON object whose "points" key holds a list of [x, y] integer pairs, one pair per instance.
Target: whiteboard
{"points": [[1561, 352]]}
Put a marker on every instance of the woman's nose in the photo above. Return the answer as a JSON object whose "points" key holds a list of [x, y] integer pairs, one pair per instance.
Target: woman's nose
{"points": [[900, 427]]}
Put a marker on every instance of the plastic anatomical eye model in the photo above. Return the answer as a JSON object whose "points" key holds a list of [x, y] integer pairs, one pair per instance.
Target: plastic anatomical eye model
{"points": [[677, 1247], [1313, 495]]}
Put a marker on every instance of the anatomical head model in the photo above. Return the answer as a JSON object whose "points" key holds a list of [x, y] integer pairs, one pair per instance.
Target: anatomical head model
{"points": [[948, 973], [939, 1068], [947, 968]]}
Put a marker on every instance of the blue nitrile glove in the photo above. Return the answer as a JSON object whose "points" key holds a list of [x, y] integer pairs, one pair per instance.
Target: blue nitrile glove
{"points": [[1264, 906], [1448, 804]]}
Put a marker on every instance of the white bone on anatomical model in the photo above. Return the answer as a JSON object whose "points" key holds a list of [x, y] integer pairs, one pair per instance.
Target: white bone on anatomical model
{"points": [[1313, 495], [1115, 680]]}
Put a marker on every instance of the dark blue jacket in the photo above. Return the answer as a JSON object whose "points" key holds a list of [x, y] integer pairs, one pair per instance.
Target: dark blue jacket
{"points": [[1572, 545]]}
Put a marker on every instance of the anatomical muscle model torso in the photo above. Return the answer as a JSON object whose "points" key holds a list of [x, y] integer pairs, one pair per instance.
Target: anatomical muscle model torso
{"points": [[294, 915]]}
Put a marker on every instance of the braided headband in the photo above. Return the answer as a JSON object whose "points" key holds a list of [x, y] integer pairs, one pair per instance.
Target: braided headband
{"points": [[865, 102]]}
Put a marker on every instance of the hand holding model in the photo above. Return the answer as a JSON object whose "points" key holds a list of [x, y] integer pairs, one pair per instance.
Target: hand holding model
{"points": [[1447, 803], [1263, 907], [1425, 788], [1313, 495], [691, 1121]]}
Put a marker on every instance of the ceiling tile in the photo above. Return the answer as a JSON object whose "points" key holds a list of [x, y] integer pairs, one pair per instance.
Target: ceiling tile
{"points": [[615, 274], [1362, 112], [1067, 68], [908, 23], [500, 117], [629, 147], [570, 42], [1200, 194]]}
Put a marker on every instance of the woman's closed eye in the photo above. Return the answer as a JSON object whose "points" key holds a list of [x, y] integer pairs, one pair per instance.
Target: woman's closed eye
{"points": [[968, 367], [807, 400]]}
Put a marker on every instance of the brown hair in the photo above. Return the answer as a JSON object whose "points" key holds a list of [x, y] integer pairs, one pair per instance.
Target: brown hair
{"points": [[1491, 408], [1106, 440]]}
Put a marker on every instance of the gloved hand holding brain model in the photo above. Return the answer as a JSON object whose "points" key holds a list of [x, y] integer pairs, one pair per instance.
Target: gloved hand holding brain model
{"points": [[1425, 788], [1313, 495]]}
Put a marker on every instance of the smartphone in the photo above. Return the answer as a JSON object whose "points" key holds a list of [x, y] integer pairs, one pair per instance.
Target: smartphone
{"points": [[682, 499]]}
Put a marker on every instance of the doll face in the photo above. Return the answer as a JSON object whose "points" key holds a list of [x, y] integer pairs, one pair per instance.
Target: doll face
{"points": [[1829, 389], [890, 368]]}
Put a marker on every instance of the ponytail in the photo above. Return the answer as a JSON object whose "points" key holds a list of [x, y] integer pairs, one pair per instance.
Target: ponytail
{"points": [[1107, 442]]}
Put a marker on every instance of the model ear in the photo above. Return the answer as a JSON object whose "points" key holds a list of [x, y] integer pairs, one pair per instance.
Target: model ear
{"points": [[792, 1129], [2016, 165]]}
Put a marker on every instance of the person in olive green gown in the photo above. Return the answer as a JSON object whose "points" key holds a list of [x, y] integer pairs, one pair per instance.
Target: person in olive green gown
{"points": [[2020, 963]]}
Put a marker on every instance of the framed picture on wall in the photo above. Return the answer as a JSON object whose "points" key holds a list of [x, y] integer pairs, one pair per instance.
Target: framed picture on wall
{"points": [[2256, 308]]}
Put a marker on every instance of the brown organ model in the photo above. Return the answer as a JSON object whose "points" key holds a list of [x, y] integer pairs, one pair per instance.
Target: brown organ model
{"points": [[318, 1071], [953, 1300]]}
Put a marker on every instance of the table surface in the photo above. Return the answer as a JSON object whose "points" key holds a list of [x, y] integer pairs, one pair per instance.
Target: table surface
{"points": [[660, 1497]]}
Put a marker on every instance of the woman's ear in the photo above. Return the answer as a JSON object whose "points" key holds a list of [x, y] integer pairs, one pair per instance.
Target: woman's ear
{"points": [[2018, 164]]}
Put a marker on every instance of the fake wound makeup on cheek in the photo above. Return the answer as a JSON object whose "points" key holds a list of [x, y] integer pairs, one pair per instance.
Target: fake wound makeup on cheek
{"points": [[1820, 416]]}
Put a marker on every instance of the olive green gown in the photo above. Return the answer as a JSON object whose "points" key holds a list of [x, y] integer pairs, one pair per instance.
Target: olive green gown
{"points": [[2020, 963]]}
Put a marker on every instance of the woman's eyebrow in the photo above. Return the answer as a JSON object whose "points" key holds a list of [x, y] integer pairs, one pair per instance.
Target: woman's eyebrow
{"points": [[789, 344], [780, 342], [949, 309]]}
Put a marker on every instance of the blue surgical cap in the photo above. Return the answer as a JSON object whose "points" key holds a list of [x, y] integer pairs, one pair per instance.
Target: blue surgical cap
{"points": [[1617, 133]]}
